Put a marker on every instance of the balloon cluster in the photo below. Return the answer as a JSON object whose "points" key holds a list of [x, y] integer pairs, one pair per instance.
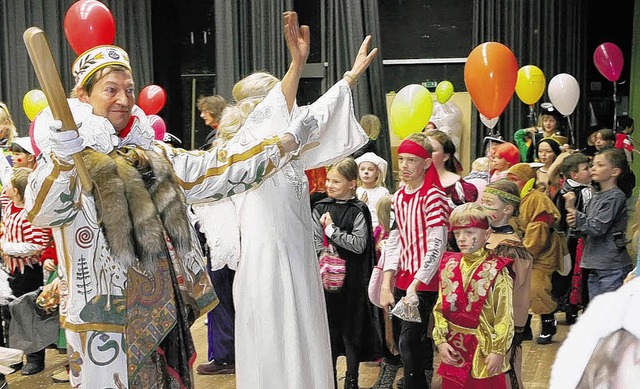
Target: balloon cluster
{"points": [[491, 76]]}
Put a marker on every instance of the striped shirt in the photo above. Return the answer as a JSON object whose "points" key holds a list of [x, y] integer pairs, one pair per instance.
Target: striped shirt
{"points": [[417, 212], [22, 243]]}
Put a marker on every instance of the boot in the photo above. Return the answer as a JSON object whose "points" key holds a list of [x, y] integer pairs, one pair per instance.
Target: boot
{"points": [[386, 376], [548, 328], [527, 334], [571, 315], [35, 363], [351, 381]]}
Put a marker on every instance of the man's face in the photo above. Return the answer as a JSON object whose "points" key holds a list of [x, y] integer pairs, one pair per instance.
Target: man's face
{"points": [[112, 97]]}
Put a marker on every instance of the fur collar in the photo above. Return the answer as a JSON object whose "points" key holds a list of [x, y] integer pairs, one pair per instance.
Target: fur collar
{"points": [[139, 204]]}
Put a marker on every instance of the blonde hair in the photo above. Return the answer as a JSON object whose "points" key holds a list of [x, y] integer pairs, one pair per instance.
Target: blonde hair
{"points": [[248, 93], [6, 120], [383, 210], [467, 213], [480, 164], [19, 179], [371, 125], [254, 86], [605, 361], [421, 139]]}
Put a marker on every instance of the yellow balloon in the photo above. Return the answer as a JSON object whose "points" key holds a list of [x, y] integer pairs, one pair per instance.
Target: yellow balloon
{"points": [[444, 91], [530, 84], [33, 102], [410, 110]]}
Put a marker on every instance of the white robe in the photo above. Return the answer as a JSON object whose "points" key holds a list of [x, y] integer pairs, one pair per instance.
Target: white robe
{"points": [[281, 330]]}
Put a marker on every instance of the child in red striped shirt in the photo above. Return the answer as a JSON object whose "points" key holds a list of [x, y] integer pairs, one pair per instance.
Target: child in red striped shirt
{"points": [[24, 249], [422, 214]]}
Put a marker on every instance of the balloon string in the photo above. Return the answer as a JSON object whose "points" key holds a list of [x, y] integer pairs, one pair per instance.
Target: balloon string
{"points": [[615, 105]]}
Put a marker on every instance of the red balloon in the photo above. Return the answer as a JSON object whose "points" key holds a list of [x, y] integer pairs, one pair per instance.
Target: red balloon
{"points": [[609, 61], [151, 99], [490, 75], [87, 24], [158, 125]]}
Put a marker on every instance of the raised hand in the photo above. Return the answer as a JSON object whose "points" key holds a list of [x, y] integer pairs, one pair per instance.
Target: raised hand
{"points": [[362, 61], [297, 38]]}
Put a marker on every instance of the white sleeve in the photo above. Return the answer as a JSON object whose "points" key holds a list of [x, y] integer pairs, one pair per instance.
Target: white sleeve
{"points": [[340, 132], [225, 170], [436, 244], [392, 251]]}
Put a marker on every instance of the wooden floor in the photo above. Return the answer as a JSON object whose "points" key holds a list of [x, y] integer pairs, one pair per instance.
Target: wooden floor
{"points": [[536, 364]]}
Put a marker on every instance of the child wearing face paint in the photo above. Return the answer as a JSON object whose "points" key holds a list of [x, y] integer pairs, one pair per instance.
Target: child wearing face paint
{"points": [[372, 171], [346, 222], [474, 312], [22, 153], [422, 212], [501, 201]]}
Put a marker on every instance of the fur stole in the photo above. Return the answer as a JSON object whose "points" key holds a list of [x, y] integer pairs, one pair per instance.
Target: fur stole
{"points": [[138, 203]]}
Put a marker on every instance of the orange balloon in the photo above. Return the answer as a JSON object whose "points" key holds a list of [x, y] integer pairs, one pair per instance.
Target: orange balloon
{"points": [[490, 74]]}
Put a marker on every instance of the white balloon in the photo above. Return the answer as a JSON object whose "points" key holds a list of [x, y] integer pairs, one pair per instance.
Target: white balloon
{"points": [[448, 118], [564, 93], [490, 123]]}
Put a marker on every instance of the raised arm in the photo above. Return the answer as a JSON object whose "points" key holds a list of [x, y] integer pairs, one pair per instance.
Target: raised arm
{"points": [[297, 38], [363, 59]]}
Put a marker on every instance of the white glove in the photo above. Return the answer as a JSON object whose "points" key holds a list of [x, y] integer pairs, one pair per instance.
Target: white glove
{"points": [[64, 143], [304, 128]]}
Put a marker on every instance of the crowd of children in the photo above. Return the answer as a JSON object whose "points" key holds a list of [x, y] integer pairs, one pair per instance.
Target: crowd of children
{"points": [[467, 261], [475, 258]]}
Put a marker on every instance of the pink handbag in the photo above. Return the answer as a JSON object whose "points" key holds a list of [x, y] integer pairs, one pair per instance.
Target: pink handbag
{"points": [[333, 269], [375, 282]]}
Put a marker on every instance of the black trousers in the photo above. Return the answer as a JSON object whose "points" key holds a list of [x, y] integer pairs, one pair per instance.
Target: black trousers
{"points": [[415, 344]]}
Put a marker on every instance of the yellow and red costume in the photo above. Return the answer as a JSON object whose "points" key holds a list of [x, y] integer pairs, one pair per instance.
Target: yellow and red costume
{"points": [[474, 314]]}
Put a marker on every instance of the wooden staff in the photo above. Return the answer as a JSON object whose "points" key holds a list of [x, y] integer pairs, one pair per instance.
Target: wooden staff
{"points": [[47, 72]]}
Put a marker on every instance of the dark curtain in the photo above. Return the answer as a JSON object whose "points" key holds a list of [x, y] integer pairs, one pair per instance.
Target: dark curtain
{"points": [[550, 34], [133, 33], [348, 22], [248, 38]]}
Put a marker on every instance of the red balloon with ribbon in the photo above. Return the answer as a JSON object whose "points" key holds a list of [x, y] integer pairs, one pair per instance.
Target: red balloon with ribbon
{"points": [[87, 24], [609, 61], [490, 75], [152, 99]]}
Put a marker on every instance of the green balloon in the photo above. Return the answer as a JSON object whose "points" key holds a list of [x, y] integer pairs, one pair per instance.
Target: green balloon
{"points": [[444, 91]]}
